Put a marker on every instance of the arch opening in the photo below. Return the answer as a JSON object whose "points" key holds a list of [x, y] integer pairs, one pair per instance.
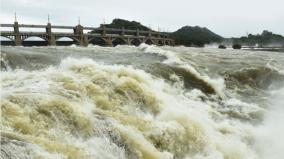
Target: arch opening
{"points": [[34, 41], [149, 42], [160, 43], [136, 42], [118, 41], [167, 42], [66, 41], [6, 41], [98, 41]]}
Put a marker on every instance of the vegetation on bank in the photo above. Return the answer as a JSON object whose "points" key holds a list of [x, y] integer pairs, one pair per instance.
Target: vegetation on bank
{"points": [[237, 46], [265, 39], [222, 47]]}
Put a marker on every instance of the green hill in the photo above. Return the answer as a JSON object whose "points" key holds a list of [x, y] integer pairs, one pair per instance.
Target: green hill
{"points": [[190, 36], [133, 25]]}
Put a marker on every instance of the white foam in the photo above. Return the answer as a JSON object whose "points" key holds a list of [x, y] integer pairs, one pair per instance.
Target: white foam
{"points": [[183, 121], [269, 142], [173, 59]]}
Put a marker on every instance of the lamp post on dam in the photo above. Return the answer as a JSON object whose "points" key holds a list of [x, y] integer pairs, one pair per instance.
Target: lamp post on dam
{"points": [[97, 36]]}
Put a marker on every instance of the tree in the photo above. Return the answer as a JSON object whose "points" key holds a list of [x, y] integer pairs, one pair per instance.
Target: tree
{"points": [[222, 47], [237, 46]]}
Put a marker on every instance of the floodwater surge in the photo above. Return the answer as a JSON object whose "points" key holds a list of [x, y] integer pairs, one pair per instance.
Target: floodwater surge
{"points": [[143, 102]]}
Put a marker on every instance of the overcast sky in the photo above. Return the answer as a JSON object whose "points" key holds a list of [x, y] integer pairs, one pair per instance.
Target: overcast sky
{"points": [[225, 17]]}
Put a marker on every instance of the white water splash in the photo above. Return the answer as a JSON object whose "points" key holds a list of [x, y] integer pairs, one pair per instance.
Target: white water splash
{"points": [[268, 136], [173, 59]]}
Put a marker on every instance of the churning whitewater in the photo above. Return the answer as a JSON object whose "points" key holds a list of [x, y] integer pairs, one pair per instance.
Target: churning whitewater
{"points": [[145, 102]]}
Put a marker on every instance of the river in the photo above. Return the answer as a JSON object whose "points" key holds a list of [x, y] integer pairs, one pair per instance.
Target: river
{"points": [[144, 102]]}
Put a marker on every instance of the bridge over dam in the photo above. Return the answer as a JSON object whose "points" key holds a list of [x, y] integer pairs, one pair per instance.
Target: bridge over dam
{"points": [[80, 35]]}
